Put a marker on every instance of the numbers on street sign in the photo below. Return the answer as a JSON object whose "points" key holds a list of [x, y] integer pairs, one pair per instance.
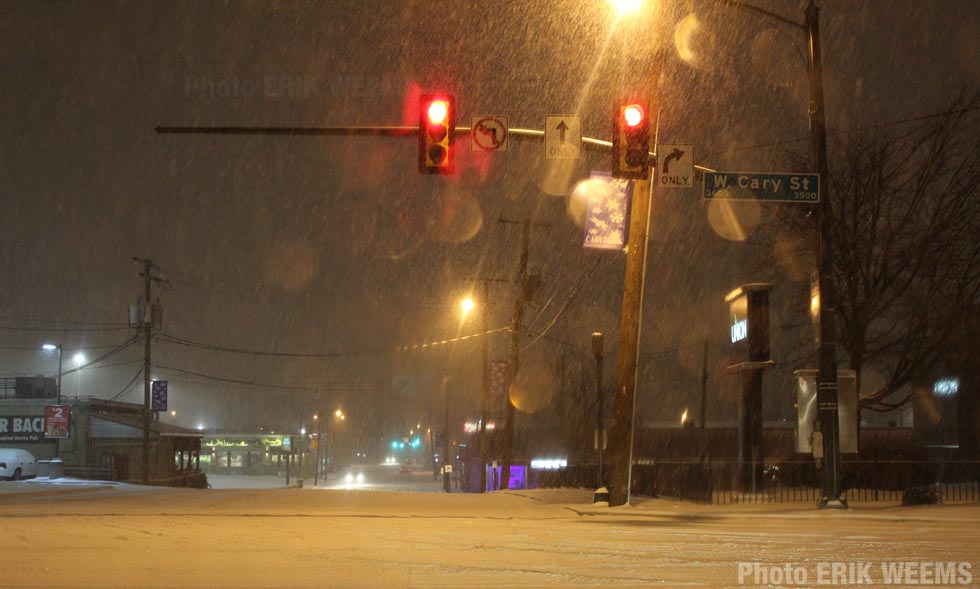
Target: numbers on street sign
{"points": [[803, 188]]}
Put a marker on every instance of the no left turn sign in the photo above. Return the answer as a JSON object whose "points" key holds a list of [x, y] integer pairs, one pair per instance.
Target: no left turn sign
{"points": [[489, 133]]}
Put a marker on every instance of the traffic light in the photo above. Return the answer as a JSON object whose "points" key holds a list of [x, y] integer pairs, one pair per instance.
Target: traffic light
{"points": [[437, 124], [631, 140]]}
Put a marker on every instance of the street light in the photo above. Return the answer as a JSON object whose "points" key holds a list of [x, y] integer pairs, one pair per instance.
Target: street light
{"points": [[466, 305], [321, 439], [51, 348], [79, 359], [625, 7], [827, 395]]}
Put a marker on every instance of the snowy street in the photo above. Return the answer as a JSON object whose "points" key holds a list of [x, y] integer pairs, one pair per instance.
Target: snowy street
{"points": [[114, 535]]}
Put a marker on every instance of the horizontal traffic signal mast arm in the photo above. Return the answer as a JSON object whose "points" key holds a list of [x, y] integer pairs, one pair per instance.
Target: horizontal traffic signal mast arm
{"points": [[599, 145]]}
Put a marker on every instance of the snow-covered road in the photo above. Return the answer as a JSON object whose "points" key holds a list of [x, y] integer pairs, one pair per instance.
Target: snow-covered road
{"points": [[127, 536]]}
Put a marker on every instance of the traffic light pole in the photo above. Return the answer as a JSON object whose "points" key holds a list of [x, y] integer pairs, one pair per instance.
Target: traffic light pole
{"points": [[624, 410]]}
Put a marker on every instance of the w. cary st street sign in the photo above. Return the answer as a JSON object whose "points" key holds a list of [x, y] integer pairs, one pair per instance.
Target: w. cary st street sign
{"points": [[768, 187]]}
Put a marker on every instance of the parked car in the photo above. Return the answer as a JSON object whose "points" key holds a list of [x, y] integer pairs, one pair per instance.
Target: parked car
{"points": [[17, 464]]}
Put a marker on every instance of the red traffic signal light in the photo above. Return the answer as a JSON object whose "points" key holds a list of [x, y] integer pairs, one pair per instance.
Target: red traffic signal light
{"points": [[437, 125], [631, 140]]}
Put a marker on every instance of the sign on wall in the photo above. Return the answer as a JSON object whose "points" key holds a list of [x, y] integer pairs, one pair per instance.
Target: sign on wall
{"points": [[57, 421], [21, 429]]}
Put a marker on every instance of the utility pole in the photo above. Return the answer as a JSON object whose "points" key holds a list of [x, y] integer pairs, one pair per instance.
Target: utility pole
{"points": [[319, 442], [146, 322], [515, 345], [827, 396], [445, 457], [600, 432], [485, 380], [621, 448], [704, 383]]}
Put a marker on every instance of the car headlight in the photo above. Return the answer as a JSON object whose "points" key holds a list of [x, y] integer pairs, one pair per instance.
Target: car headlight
{"points": [[360, 477], [349, 478]]}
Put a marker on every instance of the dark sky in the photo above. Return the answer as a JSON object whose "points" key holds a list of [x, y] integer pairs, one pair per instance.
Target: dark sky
{"points": [[338, 245]]}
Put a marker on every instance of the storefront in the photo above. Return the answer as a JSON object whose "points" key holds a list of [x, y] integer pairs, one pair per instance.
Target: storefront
{"points": [[105, 441]]}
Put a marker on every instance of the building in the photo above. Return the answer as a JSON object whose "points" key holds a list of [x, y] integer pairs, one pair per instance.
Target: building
{"points": [[105, 439]]}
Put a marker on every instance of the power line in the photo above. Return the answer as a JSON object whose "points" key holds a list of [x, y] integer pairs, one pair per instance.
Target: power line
{"points": [[129, 385], [62, 329], [60, 322], [845, 131], [310, 388], [217, 348], [571, 297], [131, 341]]}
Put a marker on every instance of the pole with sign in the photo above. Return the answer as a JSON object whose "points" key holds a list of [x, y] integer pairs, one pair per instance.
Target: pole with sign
{"points": [[748, 307]]}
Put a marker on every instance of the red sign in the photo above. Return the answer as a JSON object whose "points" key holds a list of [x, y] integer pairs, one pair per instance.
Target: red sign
{"points": [[57, 421]]}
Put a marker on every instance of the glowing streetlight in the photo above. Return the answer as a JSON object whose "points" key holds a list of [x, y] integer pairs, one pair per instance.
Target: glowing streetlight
{"points": [[627, 6], [78, 359], [466, 305], [51, 348]]}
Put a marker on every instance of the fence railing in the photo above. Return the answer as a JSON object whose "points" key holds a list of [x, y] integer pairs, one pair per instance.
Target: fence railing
{"points": [[718, 482]]}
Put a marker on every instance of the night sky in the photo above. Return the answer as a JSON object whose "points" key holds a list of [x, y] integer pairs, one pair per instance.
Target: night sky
{"points": [[337, 246]]}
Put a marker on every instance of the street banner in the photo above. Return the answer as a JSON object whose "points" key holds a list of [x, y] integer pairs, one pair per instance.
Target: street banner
{"points": [[607, 215], [499, 387], [57, 421], [158, 396]]}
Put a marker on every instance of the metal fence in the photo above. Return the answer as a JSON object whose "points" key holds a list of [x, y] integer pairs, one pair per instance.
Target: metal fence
{"points": [[716, 482]]}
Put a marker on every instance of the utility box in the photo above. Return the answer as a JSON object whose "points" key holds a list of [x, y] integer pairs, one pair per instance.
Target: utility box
{"points": [[806, 410]]}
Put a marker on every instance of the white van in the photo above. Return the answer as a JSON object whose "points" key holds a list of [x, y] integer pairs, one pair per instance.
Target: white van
{"points": [[17, 464]]}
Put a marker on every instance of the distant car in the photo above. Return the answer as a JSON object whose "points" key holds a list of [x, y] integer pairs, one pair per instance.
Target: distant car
{"points": [[405, 469], [17, 464], [354, 477]]}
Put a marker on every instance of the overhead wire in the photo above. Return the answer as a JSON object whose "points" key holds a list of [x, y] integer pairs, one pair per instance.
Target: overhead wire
{"points": [[62, 322], [310, 388], [126, 388], [564, 307], [845, 131]]}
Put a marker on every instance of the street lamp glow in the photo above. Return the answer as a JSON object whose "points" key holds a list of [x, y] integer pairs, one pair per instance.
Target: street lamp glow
{"points": [[79, 359], [339, 413], [627, 6], [467, 305], [174, 414], [49, 347]]}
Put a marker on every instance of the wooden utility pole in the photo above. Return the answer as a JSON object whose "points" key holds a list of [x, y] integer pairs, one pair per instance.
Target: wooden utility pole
{"points": [[621, 444], [146, 323], [704, 383], [515, 346], [485, 379]]}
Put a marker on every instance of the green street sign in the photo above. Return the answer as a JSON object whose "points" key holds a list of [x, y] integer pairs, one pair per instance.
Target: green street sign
{"points": [[768, 187]]}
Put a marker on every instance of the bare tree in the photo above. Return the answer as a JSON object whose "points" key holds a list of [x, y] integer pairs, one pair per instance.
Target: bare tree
{"points": [[906, 259]]}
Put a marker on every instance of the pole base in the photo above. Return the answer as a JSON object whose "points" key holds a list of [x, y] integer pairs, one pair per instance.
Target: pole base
{"points": [[828, 503]]}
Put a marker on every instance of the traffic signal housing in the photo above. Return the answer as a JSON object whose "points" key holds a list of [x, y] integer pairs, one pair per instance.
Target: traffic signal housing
{"points": [[437, 125], [631, 140]]}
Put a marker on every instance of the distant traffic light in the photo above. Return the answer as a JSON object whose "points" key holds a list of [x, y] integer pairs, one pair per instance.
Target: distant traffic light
{"points": [[631, 140], [437, 125]]}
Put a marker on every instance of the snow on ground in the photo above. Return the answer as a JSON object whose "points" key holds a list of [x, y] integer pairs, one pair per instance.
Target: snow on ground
{"points": [[130, 536]]}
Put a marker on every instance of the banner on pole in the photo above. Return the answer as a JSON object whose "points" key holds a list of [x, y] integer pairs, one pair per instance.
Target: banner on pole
{"points": [[607, 213], [499, 388]]}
